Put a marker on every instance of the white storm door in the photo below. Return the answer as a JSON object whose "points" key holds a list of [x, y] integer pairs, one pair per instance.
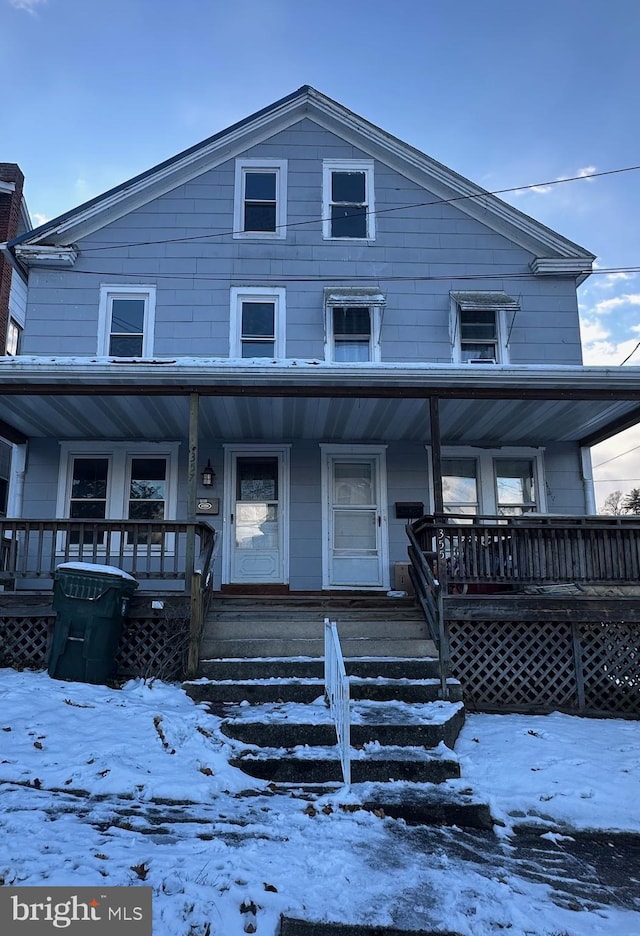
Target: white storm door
{"points": [[355, 525], [257, 536]]}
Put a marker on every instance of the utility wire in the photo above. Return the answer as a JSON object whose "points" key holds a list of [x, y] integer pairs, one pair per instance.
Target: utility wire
{"points": [[613, 457], [265, 279], [378, 211]]}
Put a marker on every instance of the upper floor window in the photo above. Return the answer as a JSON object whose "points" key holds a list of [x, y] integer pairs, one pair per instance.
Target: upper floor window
{"points": [[260, 202], [126, 321], [348, 199], [481, 323], [352, 324], [257, 322], [14, 337]]}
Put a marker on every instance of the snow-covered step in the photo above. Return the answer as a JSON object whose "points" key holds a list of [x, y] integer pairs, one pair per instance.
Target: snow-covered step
{"points": [[305, 689], [375, 763], [240, 668], [387, 723]]}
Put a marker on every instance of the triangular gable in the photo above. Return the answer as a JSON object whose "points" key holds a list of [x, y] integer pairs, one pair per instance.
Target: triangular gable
{"points": [[437, 179]]}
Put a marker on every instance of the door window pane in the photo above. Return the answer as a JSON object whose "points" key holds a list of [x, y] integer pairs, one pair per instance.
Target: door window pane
{"points": [[460, 485], [257, 479], [354, 532], [353, 484], [515, 486]]}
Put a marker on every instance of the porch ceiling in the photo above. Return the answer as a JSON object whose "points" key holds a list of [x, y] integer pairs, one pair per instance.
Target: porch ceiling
{"points": [[327, 418]]}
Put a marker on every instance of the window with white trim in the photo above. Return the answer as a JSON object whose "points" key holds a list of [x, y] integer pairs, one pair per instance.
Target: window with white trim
{"points": [[353, 320], [481, 324], [14, 338], [260, 198], [257, 322], [126, 321], [348, 211], [6, 452], [117, 481], [498, 482]]}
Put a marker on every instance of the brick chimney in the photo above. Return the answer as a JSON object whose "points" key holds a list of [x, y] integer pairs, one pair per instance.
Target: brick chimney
{"points": [[10, 203]]}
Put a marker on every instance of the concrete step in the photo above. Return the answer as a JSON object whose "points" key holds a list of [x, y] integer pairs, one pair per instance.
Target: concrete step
{"points": [[313, 647], [322, 765], [395, 724], [313, 668], [234, 627], [308, 690]]}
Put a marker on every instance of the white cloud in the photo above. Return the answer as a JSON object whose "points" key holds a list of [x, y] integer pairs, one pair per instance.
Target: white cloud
{"points": [[38, 219], [29, 6], [609, 280], [601, 348], [608, 305], [544, 189]]}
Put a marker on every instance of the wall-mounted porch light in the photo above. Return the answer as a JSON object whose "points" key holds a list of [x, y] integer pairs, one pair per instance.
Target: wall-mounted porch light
{"points": [[208, 475]]}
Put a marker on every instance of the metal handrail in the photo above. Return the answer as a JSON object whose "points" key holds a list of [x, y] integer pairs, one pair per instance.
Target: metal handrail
{"points": [[336, 690]]}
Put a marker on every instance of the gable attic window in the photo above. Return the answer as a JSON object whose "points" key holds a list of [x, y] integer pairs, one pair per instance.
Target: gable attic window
{"points": [[353, 320], [260, 198], [126, 321], [348, 199], [481, 323]]}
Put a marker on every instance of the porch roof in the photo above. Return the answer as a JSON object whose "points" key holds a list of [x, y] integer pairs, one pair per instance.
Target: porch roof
{"points": [[79, 398]]}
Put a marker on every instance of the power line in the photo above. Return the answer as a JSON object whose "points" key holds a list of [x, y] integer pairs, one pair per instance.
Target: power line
{"points": [[630, 355], [378, 211], [265, 279], [613, 457]]}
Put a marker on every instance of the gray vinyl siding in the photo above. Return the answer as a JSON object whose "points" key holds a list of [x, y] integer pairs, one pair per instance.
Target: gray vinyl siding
{"points": [[193, 277]]}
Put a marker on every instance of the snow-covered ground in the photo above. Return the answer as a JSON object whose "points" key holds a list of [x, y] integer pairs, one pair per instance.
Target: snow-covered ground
{"points": [[132, 786]]}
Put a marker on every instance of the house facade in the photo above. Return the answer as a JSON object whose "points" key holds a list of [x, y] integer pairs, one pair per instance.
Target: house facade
{"points": [[302, 332], [14, 221]]}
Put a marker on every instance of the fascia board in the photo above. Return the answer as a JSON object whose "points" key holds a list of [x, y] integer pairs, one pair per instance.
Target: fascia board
{"points": [[94, 215], [444, 183], [180, 377]]}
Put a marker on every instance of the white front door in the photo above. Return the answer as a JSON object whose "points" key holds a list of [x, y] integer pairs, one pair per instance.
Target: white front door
{"points": [[355, 528], [256, 532]]}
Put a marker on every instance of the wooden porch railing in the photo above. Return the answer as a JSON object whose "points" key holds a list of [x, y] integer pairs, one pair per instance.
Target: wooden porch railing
{"points": [[429, 594], [30, 551], [530, 549]]}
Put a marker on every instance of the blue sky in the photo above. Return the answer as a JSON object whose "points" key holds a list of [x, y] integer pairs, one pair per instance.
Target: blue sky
{"points": [[505, 92]]}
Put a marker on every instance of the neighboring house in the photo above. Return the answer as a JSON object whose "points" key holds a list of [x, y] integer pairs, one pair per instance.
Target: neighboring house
{"points": [[345, 331], [14, 221]]}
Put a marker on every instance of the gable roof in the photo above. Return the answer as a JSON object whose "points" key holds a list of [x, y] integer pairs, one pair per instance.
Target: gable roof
{"points": [[444, 183]]}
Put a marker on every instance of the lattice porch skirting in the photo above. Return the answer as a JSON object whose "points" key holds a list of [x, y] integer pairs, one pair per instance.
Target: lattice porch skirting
{"points": [[150, 646], [525, 666]]}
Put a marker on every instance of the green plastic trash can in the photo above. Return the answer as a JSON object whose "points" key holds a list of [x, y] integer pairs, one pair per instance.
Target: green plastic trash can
{"points": [[91, 603]]}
